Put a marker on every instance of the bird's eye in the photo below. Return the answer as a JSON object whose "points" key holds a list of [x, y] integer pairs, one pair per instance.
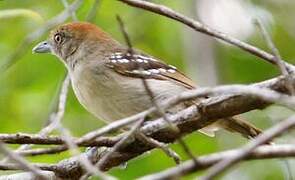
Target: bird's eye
{"points": [[58, 38]]}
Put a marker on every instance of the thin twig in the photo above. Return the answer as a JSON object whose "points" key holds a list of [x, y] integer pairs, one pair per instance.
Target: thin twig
{"points": [[157, 144], [288, 170], [21, 161], [267, 136], [125, 34], [21, 138], [91, 15], [270, 44], [196, 25], [73, 13], [57, 116], [188, 167], [54, 120], [278, 59]]}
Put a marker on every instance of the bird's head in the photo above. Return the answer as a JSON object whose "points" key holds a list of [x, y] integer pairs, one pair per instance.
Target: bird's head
{"points": [[75, 40]]}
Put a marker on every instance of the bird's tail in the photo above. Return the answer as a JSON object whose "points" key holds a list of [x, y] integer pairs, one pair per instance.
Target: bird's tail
{"points": [[236, 124], [233, 124]]}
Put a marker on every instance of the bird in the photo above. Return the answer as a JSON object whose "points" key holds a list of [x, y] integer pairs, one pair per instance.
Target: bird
{"points": [[108, 80]]}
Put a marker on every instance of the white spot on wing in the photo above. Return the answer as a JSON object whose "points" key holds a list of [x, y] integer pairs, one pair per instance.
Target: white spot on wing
{"points": [[154, 71], [125, 60], [171, 70], [146, 73], [139, 60], [141, 72]]}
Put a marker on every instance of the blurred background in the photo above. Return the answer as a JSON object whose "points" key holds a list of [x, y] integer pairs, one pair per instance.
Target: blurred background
{"points": [[29, 88]]}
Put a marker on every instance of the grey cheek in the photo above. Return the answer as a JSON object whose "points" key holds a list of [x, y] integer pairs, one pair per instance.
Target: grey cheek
{"points": [[57, 52]]}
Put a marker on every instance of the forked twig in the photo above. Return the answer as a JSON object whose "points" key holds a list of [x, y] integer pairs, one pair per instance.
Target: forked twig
{"points": [[278, 59]]}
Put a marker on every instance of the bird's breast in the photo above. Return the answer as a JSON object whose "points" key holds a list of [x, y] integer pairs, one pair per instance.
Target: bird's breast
{"points": [[111, 96]]}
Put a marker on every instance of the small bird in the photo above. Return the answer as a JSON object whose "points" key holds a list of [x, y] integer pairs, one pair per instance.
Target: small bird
{"points": [[107, 78]]}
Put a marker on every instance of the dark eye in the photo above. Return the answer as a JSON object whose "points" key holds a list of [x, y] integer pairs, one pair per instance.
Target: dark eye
{"points": [[58, 38]]}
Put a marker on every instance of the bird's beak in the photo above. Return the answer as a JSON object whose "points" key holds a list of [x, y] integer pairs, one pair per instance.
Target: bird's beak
{"points": [[42, 47]]}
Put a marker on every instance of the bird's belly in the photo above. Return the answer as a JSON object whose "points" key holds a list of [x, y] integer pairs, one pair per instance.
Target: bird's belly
{"points": [[109, 101], [112, 97], [117, 107]]}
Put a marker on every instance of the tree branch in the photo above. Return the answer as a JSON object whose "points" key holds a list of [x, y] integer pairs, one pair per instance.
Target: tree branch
{"points": [[262, 152], [196, 25]]}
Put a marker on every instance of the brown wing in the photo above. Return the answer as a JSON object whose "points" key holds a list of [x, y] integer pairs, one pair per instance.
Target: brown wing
{"points": [[179, 77], [143, 66]]}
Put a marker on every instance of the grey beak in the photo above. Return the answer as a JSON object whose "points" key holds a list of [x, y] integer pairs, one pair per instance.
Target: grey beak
{"points": [[42, 47]]}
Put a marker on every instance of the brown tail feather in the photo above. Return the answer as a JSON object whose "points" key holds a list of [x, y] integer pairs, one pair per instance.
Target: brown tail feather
{"points": [[238, 125]]}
